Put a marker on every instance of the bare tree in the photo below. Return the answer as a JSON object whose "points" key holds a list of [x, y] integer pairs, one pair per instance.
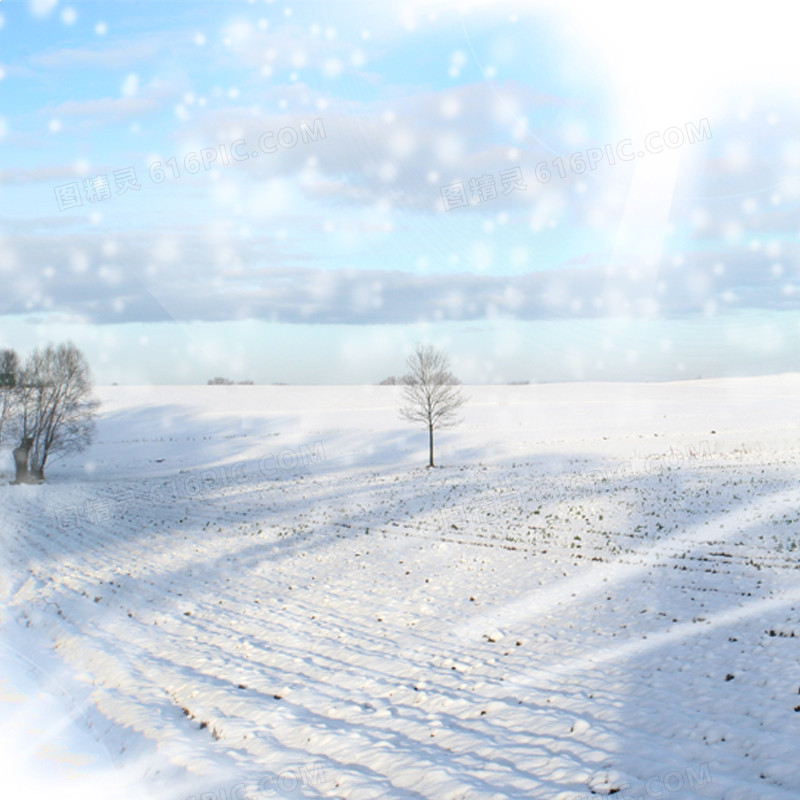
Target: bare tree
{"points": [[9, 373], [55, 408], [431, 393]]}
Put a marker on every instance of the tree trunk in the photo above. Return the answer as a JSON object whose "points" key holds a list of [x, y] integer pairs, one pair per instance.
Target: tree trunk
{"points": [[21, 454], [37, 469], [430, 445]]}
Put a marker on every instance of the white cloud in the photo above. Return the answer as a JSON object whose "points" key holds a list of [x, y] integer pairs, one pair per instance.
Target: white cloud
{"points": [[120, 54], [135, 102]]}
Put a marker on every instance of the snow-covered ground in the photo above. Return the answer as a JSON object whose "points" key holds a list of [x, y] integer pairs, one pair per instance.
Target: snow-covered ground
{"points": [[261, 592]]}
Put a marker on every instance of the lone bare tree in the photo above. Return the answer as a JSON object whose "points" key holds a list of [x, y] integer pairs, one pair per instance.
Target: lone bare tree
{"points": [[431, 393], [55, 409]]}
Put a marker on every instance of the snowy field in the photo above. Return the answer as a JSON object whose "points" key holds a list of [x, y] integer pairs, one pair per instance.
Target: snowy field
{"points": [[260, 592]]}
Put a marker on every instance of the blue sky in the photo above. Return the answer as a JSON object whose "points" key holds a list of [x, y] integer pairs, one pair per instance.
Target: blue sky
{"points": [[300, 191]]}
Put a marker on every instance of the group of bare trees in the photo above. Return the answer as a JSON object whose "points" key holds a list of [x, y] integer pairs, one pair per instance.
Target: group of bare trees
{"points": [[46, 406]]}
